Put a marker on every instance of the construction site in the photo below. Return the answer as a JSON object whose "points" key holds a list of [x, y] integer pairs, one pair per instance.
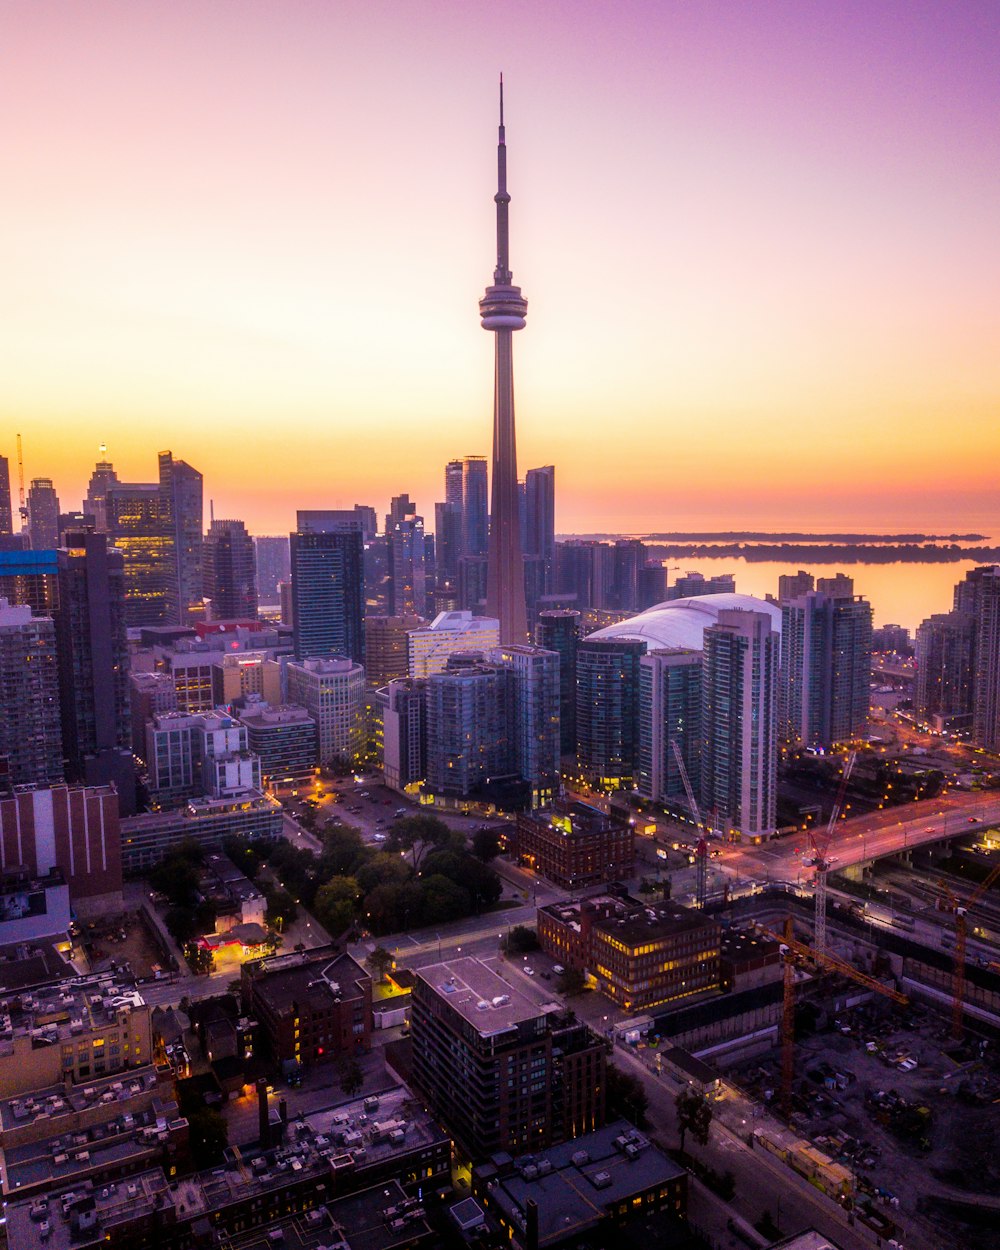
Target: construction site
{"points": [[870, 1060]]}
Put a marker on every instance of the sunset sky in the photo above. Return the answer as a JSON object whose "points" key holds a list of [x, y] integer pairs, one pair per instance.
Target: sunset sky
{"points": [[759, 243]]}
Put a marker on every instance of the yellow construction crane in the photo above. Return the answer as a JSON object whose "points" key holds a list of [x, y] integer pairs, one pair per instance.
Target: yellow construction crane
{"points": [[961, 911]]}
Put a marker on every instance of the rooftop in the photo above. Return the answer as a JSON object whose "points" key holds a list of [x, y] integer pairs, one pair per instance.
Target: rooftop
{"points": [[488, 1002], [575, 1183], [285, 980], [682, 622], [53, 1013]]}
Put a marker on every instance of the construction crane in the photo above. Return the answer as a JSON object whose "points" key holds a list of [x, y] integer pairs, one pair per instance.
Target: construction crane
{"points": [[790, 947], [22, 506], [821, 860], [701, 850], [961, 911]]}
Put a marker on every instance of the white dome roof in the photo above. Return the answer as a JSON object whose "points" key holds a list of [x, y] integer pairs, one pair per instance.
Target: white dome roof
{"points": [[682, 622]]}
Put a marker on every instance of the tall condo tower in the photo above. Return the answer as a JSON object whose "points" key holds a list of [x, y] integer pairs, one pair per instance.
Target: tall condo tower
{"points": [[502, 311]]}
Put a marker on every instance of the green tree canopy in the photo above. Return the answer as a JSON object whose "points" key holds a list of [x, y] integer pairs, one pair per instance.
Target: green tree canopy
{"points": [[383, 868], [336, 906], [417, 835], [486, 844], [694, 1115], [380, 963]]}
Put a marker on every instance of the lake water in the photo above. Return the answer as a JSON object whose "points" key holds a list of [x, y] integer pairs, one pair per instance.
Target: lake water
{"points": [[900, 594]]}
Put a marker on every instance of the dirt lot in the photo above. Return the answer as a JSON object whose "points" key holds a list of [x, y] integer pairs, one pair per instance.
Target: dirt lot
{"points": [[104, 940], [920, 1138]]}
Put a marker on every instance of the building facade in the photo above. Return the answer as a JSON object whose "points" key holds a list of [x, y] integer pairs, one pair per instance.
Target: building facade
{"points": [[230, 572], [430, 648], [740, 722], [558, 630], [670, 682], [607, 711], [574, 845], [31, 750], [328, 586], [333, 693], [501, 1073]]}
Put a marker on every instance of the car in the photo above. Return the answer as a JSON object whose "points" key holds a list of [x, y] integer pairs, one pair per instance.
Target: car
{"points": [[558, 969], [907, 1065], [528, 971]]}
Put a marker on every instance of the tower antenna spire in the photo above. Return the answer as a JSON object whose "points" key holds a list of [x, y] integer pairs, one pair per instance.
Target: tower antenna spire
{"points": [[502, 310]]}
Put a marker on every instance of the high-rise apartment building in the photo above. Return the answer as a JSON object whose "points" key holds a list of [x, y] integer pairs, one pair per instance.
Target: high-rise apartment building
{"points": [[6, 515], [402, 715], [740, 721], [43, 514], [558, 630], [183, 508], [229, 572], [840, 586], [328, 592], [93, 665], [448, 541], [792, 585], [30, 733], [29, 577], [332, 690], [945, 647], [534, 726], [502, 1073], [986, 680], [430, 648], [694, 584], [669, 713], [825, 668], [607, 711], [469, 722]]}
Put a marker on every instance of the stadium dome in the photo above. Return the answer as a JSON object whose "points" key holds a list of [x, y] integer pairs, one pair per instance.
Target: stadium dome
{"points": [[682, 622]]}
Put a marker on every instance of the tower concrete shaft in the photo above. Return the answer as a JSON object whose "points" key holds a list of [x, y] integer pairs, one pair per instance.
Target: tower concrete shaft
{"points": [[502, 310]]}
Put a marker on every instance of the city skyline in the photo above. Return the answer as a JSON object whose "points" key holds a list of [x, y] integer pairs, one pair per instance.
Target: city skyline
{"points": [[788, 213]]}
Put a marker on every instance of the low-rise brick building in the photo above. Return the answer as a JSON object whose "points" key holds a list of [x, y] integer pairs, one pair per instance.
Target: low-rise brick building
{"points": [[574, 845], [640, 955], [312, 1007]]}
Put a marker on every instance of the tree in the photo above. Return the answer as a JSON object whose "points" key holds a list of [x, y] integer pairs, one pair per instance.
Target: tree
{"points": [[382, 868], [694, 1114], [200, 959], [444, 899], [417, 834], [351, 1076], [521, 940], [571, 982], [626, 1096], [486, 844], [343, 853], [281, 907], [336, 905], [380, 963]]}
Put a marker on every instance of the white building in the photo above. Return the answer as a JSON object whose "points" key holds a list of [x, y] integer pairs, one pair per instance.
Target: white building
{"points": [[333, 692], [428, 649]]}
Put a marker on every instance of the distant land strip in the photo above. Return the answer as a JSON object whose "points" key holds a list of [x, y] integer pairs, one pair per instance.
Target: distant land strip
{"points": [[806, 553], [734, 536]]}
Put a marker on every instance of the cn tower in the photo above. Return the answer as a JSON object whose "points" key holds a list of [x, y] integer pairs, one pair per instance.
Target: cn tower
{"points": [[502, 311]]}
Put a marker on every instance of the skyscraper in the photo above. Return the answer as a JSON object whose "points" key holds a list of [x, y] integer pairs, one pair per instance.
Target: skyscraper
{"points": [[229, 572], [181, 487], [30, 738], [93, 665], [404, 536], [540, 517], [273, 566], [43, 514], [534, 729], [986, 680], [945, 646], [502, 311], [670, 683], [95, 506], [825, 668], [559, 630], [739, 721], [607, 710], [328, 585], [140, 527], [6, 517]]}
